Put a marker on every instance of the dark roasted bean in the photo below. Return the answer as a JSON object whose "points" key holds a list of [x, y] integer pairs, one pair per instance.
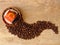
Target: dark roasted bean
{"points": [[28, 31]]}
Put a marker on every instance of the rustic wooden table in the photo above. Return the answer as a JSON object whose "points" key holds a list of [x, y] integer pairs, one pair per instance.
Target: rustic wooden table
{"points": [[32, 10]]}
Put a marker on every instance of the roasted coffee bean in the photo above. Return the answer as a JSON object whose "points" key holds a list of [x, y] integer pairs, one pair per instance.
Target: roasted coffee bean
{"points": [[29, 31]]}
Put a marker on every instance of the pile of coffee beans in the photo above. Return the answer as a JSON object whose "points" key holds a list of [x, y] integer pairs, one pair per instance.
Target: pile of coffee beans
{"points": [[29, 31]]}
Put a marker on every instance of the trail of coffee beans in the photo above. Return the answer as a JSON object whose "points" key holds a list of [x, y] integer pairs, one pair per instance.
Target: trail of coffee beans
{"points": [[29, 31]]}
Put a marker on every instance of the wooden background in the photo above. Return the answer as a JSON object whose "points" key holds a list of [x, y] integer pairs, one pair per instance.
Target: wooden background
{"points": [[32, 10]]}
